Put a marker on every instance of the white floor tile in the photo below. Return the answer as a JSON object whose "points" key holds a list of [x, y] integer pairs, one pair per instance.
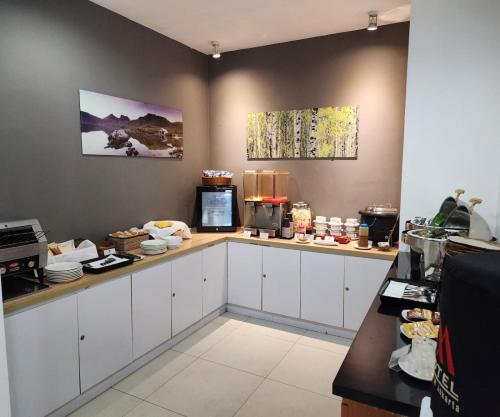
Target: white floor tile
{"points": [[110, 403], [152, 376], [325, 341], [255, 352], [272, 329], [309, 368], [273, 399], [146, 409], [205, 389], [203, 339]]}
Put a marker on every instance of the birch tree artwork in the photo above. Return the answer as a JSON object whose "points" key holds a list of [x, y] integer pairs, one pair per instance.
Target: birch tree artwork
{"points": [[317, 133]]}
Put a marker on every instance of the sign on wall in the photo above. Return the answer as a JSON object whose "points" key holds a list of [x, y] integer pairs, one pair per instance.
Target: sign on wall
{"points": [[116, 126], [316, 133]]}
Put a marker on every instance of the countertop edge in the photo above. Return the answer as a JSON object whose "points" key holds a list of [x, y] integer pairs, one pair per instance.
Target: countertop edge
{"points": [[199, 241]]}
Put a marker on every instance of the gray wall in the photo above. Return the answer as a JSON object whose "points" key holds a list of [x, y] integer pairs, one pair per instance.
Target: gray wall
{"points": [[48, 51], [365, 68]]}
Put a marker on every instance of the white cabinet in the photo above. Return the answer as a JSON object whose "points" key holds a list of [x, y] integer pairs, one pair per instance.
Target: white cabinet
{"points": [[42, 357], [322, 288], [363, 278], [244, 275], [281, 281], [214, 277], [105, 324], [186, 291], [151, 307]]}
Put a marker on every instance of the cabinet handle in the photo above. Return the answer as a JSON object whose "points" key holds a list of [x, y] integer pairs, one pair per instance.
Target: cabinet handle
{"points": [[264, 275], [173, 294], [204, 280], [82, 337], [347, 288]]}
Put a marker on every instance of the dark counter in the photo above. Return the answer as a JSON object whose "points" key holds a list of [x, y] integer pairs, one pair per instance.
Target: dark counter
{"points": [[364, 375]]}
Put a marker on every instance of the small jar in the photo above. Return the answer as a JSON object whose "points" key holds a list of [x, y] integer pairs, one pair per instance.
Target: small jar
{"points": [[363, 235], [301, 217]]}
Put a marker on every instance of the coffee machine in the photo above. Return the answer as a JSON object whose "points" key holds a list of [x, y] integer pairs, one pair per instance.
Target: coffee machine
{"points": [[23, 255], [267, 216], [266, 201]]}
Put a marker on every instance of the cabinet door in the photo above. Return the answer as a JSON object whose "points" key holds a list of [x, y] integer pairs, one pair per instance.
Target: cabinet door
{"points": [[186, 291], [105, 323], [151, 307], [281, 281], [322, 288], [244, 262], [42, 357], [363, 278], [214, 277]]}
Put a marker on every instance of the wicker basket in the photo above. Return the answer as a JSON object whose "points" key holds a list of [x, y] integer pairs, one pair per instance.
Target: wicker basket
{"points": [[216, 180], [124, 244]]}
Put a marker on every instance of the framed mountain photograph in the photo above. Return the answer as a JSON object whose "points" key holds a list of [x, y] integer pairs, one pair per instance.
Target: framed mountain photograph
{"points": [[116, 126], [315, 133]]}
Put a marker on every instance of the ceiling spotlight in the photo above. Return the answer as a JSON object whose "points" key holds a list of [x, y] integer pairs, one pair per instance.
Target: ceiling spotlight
{"points": [[372, 20], [216, 50]]}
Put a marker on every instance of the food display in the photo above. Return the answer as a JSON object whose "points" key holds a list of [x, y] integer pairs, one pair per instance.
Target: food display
{"points": [[128, 239], [420, 329], [133, 232], [422, 314], [301, 214]]}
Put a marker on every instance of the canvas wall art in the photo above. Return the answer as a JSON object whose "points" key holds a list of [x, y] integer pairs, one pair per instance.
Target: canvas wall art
{"points": [[317, 133], [116, 126]]}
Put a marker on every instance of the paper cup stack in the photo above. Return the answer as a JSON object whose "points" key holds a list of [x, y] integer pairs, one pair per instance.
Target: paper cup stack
{"points": [[64, 271], [335, 224], [154, 247], [352, 228], [320, 225]]}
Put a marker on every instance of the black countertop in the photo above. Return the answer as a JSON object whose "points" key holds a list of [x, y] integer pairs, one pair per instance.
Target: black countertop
{"points": [[364, 375]]}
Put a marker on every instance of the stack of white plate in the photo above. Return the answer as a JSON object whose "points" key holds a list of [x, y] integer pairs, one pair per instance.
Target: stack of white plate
{"points": [[154, 247], [64, 271]]}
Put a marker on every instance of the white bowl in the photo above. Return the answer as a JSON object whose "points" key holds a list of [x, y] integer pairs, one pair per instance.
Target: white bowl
{"points": [[173, 241], [320, 219]]}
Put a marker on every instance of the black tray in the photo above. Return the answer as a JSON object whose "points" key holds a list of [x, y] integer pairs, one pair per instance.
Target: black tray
{"points": [[108, 267], [408, 303]]}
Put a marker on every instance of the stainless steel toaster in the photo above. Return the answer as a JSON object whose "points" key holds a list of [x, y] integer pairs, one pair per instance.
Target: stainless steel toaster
{"points": [[23, 246]]}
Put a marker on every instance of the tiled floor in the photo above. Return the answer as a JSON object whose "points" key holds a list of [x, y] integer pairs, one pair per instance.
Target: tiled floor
{"points": [[234, 366]]}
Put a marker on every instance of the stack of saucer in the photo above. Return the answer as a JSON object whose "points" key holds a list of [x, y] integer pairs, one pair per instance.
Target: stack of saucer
{"points": [[320, 225], [335, 224], [154, 247], [64, 271], [352, 228]]}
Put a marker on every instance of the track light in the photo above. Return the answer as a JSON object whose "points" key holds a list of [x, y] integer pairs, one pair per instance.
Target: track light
{"points": [[372, 20], [216, 50]]}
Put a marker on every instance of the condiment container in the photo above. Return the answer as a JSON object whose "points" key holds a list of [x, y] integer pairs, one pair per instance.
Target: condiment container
{"points": [[287, 229], [363, 235]]}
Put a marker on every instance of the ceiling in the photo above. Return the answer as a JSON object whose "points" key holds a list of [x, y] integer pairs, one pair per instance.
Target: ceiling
{"points": [[240, 24]]}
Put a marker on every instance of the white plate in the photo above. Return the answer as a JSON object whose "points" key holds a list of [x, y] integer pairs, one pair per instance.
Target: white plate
{"points": [[326, 242], [363, 248], [153, 244], [474, 243], [154, 252], [300, 241], [415, 373], [63, 266]]}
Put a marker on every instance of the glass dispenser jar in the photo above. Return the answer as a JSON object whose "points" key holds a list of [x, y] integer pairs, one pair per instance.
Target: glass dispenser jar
{"points": [[301, 216]]}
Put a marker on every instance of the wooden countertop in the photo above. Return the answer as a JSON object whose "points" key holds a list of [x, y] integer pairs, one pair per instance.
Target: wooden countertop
{"points": [[199, 241]]}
